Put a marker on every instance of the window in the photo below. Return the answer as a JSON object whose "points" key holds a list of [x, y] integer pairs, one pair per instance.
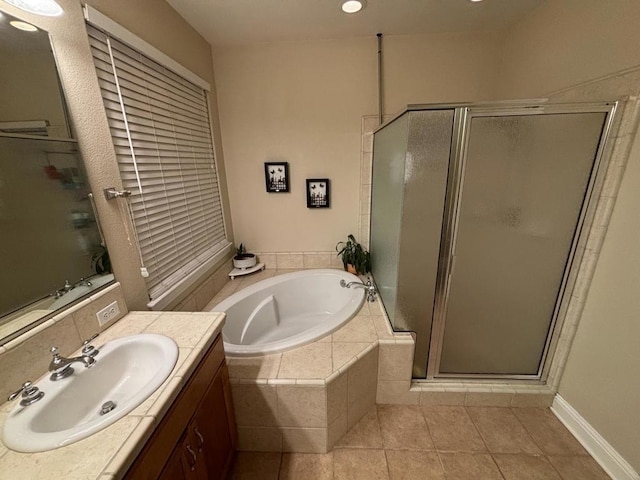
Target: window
{"points": [[162, 136]]}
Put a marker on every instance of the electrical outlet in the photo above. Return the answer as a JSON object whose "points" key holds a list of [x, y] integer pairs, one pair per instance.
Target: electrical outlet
{"points": [[108, 313]]}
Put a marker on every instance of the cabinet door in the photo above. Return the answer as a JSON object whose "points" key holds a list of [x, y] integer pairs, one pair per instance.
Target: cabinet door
{"points": [[181, 465], [210, 429]]}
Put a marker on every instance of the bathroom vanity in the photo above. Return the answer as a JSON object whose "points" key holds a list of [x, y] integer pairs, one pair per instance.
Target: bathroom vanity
{"points": [[198, 434], [184, 430]]}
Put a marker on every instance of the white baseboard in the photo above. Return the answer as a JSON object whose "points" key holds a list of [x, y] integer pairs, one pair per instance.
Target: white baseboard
{"points": [[602, 452]]}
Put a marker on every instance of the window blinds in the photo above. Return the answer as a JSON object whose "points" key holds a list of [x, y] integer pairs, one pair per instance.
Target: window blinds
{"points": [[162, 137]]}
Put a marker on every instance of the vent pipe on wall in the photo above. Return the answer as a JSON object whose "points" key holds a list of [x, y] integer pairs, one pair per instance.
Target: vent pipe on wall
{"points": [[380, 112]]}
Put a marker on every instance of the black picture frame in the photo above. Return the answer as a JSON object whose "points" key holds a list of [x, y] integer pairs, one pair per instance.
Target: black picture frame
{"points": [[318, 193], [276, 177]]}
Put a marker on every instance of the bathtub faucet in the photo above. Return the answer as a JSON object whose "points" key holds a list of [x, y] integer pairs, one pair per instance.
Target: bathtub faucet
{"points": [[369, 287]]}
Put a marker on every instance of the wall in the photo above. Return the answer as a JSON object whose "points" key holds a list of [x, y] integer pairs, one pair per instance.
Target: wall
{"points": [[561, 44], [565, 42], [303, 103], [152, 21]]}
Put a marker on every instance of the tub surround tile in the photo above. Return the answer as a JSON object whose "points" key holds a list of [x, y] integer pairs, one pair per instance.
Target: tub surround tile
{"points": [[259, 439], [269, 260], [255, 405], [310, 361], [253, 278], [336, 431], [366, 433], [289, 260], [300, 406], [396, 361], [337, 398], [266, 366], [304, 440], [343, 352], [317, 260], [360, 330]]}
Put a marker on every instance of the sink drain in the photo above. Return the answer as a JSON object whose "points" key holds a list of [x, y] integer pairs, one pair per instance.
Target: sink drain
{"points": [[107, 407]]}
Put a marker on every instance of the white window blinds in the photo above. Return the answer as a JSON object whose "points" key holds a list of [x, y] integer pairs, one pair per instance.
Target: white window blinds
{"points": [[162, 137]]}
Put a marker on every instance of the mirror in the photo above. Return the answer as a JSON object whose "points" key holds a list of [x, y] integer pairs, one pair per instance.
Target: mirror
{"points": [[51, 250]]}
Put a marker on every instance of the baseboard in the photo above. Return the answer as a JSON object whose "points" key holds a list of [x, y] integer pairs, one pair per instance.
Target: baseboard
{"points": [[601, 450]]}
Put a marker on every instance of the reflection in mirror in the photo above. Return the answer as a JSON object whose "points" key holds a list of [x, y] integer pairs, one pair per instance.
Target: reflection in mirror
{"points": [[51, 250]]}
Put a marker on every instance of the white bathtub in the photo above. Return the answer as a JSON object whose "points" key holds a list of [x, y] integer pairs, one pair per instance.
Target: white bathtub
{"points": [[287, 311]]}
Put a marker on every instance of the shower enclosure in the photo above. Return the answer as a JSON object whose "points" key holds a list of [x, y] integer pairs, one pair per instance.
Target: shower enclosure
{"points": [[476, 214]]}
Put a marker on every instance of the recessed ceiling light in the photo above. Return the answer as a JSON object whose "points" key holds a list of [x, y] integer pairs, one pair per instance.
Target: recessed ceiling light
{"points": [[48, 8], [353, 6], [475, 1], [27, 27]]}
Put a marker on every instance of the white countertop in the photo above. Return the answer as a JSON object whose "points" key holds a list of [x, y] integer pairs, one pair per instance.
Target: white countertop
{"points": [[108, 454]]}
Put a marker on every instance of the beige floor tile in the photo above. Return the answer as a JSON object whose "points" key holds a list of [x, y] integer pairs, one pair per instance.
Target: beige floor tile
{"points": [[525, 467], [548, 432], [359, 464], [501, 430], [403, 428], [297, 466], [364, 434], [256, 465], [469, 466], [580, 467], [404, 465], [451, 429]]}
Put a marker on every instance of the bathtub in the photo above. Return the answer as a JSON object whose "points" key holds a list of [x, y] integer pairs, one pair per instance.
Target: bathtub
{"points": [[287, 311]]}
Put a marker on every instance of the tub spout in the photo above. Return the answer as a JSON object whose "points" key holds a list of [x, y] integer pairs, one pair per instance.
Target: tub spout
{"points": [[369, 287]]}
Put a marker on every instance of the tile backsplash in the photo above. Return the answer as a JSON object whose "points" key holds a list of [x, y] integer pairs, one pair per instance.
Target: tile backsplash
{"points": [[27, 357]]}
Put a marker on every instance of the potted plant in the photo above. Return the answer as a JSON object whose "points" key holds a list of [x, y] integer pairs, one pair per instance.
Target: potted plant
{"points": [[243, 259], [354, 258]]}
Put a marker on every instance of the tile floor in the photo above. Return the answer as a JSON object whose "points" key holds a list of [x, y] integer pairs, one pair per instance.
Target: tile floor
{"points": [[437, 442]]}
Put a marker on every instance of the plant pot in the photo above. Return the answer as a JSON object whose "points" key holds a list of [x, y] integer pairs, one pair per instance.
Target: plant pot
{"points": [[351, 269], [245, 260]]}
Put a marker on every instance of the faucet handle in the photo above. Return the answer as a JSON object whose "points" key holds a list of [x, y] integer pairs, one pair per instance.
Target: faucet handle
{"points": [[88, 349], [30, 394]]}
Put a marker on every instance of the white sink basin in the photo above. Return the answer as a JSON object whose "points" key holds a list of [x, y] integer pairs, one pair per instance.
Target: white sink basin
{"points": [[127, 371]]}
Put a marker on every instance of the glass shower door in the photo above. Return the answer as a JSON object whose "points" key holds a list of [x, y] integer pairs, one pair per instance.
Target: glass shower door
{"points": [[524, 181]]}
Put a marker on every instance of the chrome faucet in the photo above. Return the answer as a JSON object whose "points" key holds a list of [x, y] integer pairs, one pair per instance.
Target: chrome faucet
{"points": [[85, 282], [60, 367], [369, 287]]}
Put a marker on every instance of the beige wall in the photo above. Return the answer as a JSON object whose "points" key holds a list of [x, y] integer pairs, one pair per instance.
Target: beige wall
{"points": [[303, 103], [158, 24], [562, 44]]}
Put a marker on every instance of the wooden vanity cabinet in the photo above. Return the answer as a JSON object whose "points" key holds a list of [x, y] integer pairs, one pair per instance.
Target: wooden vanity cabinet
{"points": [[196, 439]]}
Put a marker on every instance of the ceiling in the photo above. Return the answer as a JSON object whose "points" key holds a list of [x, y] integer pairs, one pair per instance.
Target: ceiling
{"points": [[233, 22]]}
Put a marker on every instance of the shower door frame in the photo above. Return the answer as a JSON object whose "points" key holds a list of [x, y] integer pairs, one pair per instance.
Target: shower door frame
{"points": [[455, 183]]}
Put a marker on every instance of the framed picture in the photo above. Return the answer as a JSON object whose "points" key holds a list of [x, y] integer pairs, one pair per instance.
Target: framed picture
{"points": [[276, 177], [317, 193]]}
